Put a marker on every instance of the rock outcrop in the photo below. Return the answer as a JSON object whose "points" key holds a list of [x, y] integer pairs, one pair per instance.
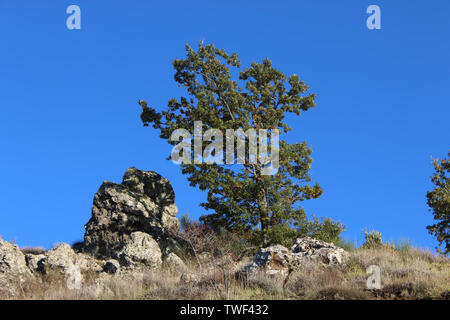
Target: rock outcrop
{"points": [[13, 268], [131, 228], [272, 260], [17, 267], [133, 222], [142, 249], [12, 260], [321, 251], [279, 261], [62, 257]]}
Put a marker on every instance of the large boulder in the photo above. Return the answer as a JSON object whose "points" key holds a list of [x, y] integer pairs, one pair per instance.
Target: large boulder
{"points": [[62, 257], [134, 218], [142, 249]]}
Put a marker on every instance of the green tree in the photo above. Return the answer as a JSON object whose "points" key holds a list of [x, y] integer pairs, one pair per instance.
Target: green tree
{"points": [[439, 202], [240, 196]]}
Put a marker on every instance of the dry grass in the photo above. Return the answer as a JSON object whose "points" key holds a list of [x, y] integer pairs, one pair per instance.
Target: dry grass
{"points": [[33, 250], [405, 274]]}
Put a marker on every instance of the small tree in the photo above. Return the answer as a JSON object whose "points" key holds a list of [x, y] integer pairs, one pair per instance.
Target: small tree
{"points": [[439, 202], [241, 196]]}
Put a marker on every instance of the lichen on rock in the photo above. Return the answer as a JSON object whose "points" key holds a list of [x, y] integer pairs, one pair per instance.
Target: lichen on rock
{"points": [[141, 207]]}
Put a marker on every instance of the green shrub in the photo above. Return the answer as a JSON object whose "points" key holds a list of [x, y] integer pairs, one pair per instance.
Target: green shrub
{"points": [[373, 239], [439, 203], [325, 229]]}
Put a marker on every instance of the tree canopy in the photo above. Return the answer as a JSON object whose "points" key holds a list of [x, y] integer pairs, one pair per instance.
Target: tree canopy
{"points": [[222, 96], [439, 202]]}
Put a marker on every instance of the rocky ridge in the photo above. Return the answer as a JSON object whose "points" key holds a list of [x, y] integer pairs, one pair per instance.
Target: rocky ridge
{"points": [[133, 228]]}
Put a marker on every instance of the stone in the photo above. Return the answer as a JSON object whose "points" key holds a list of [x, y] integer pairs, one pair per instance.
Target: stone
{"points": [[35, 262], [143, 202], [88, 263], [63, 256], [171, 210], [174, 263], [324, 252], [273, 260], [279, 261], [13, 269], [12, 260], [60, 257], [141, 249], [132, 227], [157, 188], [111, 266]]}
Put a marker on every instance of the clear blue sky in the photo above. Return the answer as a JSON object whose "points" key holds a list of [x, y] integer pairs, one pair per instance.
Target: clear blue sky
{"points": [[70, 117]]}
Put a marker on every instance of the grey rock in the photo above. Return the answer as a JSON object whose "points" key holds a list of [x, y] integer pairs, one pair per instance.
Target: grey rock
{"points": [[63, 256], [35, 262], [88, 263], [174, 263], [143, 202], [273, 260], [321, 251], [142, 249], [12, 260], [60, 257], [151, 184], [170, 210], [13, 268], [279, 261]]}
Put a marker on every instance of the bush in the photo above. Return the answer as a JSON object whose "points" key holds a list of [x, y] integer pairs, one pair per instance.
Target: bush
{"points": [[325, 229], [247, 242], [373, 240], [220, 244]]}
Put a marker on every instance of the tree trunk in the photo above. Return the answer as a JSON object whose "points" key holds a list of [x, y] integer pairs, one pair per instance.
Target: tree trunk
{"points": [[264, 217], [263, 206]]}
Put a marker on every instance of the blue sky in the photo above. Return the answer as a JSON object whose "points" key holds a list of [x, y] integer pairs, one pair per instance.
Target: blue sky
{"points": [[70, 117]]}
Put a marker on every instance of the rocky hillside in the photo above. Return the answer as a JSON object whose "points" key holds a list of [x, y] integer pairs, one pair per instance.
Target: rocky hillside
{"points": [[132, 248]]}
